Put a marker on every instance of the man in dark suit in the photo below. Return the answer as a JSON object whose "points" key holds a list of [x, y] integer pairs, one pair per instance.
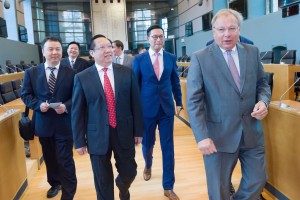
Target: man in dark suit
{"points": [[119, 56], [156, 71], [227, 96], [106, 118], [49, 83], [74, 61]]}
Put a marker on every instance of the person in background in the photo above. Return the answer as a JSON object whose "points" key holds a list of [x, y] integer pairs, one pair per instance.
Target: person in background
{"points": [[47, 90], [108, 97], [74, 61], [156, 71], [119, 56], [227, 97], [142, 50]]}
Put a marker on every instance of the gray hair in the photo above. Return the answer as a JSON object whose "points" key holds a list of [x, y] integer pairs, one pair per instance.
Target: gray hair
{"points": [[226, 12]]}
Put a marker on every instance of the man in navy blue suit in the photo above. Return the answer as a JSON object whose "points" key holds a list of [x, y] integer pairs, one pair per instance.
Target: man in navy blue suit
{"points": [[73, 60], [156, 71], [49, 83]]}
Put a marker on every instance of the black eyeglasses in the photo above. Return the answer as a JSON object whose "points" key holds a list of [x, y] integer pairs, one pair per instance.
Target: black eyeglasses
{"points": [[155, 37]]}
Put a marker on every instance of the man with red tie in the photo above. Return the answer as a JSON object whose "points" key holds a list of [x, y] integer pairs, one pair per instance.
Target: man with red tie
{"points": [[106, 118]]}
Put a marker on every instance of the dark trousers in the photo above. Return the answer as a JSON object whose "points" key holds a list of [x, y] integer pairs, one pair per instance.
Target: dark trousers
{"points": [[103, 172], [165, 125], [58, 156]]}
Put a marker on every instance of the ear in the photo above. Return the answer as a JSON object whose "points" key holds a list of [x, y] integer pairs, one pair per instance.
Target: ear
{"points": [[91, 53]]}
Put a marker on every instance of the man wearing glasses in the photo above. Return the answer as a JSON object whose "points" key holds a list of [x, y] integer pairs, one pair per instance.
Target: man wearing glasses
{"points": [[156, 71], [106, 118], [227, 96]]}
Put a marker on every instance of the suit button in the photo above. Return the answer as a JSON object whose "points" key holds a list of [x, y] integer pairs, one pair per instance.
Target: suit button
{"points": [[242, 98]]}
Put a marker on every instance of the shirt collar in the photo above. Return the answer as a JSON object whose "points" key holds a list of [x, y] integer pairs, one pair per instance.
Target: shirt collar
{"points": [[70, 59], [233, 50], [151, 52], [47, 66], [99, 67], [121, 56]]}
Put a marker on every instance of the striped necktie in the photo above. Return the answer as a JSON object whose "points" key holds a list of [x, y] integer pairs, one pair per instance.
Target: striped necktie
{"points": [[233, 69], [52, 79]]}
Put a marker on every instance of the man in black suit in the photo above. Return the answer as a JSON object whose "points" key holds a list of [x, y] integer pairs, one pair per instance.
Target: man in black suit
{"points": [[107, 96], [43, 86], [74, 61]]}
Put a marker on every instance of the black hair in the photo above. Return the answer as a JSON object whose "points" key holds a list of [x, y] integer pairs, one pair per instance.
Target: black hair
{"points": [[155, 26]]}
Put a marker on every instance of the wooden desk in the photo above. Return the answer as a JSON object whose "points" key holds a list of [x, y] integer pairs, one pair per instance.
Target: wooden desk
{"points": [[184, 64], [283, 79], [282, 140], [35, 146], [11, 77], [13, 175]]}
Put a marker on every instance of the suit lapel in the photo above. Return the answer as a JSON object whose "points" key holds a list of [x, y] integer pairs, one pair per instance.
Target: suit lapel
{"points": [[42, 77], [243, 64], [94, 77], [60, 77], [117, 78], [222, 64]]}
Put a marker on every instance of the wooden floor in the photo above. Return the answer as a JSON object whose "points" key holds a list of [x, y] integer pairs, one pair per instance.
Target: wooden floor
{"points": [[189, 173]]}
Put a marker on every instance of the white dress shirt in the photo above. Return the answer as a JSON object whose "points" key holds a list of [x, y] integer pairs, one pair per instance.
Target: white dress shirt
{"points": [[160, 59], [110, 74]]}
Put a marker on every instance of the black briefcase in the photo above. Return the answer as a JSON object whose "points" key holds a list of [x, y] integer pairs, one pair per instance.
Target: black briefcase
{"points": [[26, 126]]}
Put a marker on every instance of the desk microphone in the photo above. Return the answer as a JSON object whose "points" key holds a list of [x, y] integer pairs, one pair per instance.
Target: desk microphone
{"points": [[183, 71], [3, 71], [280, 61], [19, 68], [14, 70], [283, 105], [264, 55], [7, 111]]}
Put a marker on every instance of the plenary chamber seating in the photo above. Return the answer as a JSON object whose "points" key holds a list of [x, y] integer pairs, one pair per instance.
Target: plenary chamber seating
{"points": [[288, 57], [267, 57], [7, 92], [17, 87]]}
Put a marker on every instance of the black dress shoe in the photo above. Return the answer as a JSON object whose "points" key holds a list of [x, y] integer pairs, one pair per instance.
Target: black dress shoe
{"points": [[53, 191]]}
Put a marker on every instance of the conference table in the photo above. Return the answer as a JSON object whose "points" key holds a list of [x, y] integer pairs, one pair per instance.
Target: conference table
{"points": [[34, 145], [13, 174]]}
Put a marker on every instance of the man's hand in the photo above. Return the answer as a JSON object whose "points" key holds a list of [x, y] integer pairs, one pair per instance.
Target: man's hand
{"points": [[60, 109], [178, 109], [137, 140], [260, 110], [81, 150], [207, 146], [44, 107]]}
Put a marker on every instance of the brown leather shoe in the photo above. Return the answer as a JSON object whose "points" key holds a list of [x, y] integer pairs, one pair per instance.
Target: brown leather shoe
{"points": [[147, 174], [171, 195]]}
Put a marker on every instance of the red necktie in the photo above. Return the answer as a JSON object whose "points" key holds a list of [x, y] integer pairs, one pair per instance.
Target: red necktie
{"points": [[110, 100], [156, 65]]}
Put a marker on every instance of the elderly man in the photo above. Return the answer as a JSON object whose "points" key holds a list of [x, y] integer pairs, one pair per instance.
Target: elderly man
{"points": [[227, 96]]}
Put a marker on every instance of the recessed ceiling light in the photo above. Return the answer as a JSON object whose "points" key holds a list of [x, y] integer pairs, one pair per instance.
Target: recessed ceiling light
{"points": [[149, 4], [172, 8]]}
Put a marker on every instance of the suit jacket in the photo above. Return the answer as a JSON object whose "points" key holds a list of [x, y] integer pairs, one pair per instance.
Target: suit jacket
{"points": [[128, 60], [79, 65], [154, 92], [35, 91], [216, 107], [90, 122]]}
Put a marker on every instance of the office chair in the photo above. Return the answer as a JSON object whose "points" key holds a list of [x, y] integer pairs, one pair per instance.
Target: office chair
{"points": [[17, 87], [269, 76], [266, 57], [7, 92], [288, 57], [297, 86]]}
